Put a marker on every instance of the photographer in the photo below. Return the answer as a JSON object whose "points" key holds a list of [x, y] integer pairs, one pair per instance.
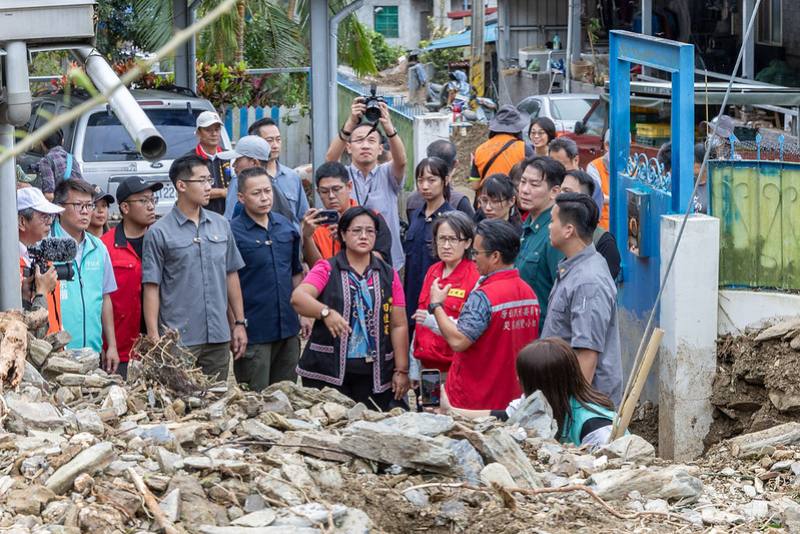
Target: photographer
{"points": [[40, 289], [375, 186]]}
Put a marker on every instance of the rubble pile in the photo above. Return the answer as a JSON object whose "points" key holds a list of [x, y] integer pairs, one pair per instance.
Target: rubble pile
{"points": [[81, 451], [757, 385]]}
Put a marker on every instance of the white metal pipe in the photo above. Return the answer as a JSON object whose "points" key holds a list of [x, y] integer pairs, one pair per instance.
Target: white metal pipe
{"points": [[16, 109], [148, 140]]}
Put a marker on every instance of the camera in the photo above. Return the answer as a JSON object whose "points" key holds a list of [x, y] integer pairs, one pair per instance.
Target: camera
{"points": [[372, 101], [53, 249]]}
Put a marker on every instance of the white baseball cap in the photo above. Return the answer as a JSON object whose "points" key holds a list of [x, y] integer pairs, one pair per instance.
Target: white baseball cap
{"points": [[207, 118], [32, 197]]}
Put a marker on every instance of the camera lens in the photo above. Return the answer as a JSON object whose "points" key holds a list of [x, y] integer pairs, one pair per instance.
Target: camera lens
{"points": [[373, 112]]}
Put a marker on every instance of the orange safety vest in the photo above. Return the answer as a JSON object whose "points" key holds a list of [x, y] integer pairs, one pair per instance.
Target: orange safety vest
{"points": [[53, 304], [503, 163], [605, 183]]}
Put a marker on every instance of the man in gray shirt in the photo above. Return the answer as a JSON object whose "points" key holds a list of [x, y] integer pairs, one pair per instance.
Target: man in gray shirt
{"points": [[190, 267], [582, 308], [375, 186]]}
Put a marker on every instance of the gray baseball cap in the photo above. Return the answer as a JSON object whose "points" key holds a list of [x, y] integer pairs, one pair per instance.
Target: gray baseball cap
{"points": [[249, 146]]}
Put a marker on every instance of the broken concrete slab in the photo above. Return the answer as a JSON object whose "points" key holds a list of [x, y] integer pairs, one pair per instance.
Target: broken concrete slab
{"points": [[322, 445], [427, 424], [671, 483], [88, 461], [28, 414]]}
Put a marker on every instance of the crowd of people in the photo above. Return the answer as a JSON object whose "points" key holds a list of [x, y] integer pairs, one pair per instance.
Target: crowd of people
{"points": [[505, 295]]}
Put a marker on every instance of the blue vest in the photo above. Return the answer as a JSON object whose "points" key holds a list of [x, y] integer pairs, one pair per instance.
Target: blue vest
{"points": [[578, 415], [82, 297]]}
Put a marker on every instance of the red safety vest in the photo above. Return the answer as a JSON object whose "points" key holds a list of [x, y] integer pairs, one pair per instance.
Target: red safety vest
{"points": [[430, 348], [484, 376], [127, 299]]}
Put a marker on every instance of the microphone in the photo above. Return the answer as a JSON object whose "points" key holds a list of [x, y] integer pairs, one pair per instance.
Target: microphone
{"points": [[54, 249]]}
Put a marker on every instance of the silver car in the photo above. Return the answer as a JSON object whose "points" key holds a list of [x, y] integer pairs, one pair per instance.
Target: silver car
{"points": [[563, 109], [107, 154]]}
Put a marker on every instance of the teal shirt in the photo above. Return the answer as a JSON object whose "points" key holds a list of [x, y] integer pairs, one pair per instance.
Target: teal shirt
{"points": [[578, 415], [537, 261]]}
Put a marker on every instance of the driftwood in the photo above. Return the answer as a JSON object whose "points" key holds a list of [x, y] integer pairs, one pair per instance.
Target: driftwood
{"points": [[13, 348]]}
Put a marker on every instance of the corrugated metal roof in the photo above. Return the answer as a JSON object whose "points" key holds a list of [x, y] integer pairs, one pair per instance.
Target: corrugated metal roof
{"points": [[463, 39]]}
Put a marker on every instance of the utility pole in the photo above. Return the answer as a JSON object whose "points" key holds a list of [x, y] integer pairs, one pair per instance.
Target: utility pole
{"points": [[476, 63]]}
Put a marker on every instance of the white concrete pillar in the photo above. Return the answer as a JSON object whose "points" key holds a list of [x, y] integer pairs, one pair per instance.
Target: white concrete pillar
{"points": [[688, 357], [428, 128]]}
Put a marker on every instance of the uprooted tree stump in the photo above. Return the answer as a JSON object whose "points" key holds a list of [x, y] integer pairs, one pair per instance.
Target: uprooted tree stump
{"points": [[14, 326]]}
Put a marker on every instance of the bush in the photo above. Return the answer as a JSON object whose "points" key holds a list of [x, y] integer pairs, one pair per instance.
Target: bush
{"points": [[441, 58], [386, 56]]}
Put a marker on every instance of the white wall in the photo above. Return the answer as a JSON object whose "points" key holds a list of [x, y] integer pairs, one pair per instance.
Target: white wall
{"points": [[740, 309], [409, 19]]}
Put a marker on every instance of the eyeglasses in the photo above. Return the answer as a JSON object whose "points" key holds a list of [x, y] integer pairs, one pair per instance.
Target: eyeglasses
{"points": [[208, 180], [143, 201], [80, 206], [330, 191], [369, 232], [449, 240], [488, 201], [45, 217], [538, 133]]}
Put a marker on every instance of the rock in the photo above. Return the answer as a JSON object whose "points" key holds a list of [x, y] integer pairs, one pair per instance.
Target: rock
{"points": [[334, 411], [670, 483], [498, 446], [298, 476], [258, 430], [755, 510], [779, 329], [59, 339], [195, 508], [253, 503], [38, 350], [99, 518], [535, 415], [88, 461], [301, 397], [714, 516], [417, 497], [277, 402], [784, 401], [89, 421], [355, 521], [783, 465], [117, 400], [356, 412], [26, 414], [171, 505], [329, 478], [33, 377], [495, 473], [167, 460], [764, 442], [322, 445], [28, 501], [309, 515], [209, 529], [262, 518], [426, 424], [385, 444], [273, 486], [468, 462], [57, 365], [749, 490], [629, 448], [83, 484], [657, 505], [453, 510]]}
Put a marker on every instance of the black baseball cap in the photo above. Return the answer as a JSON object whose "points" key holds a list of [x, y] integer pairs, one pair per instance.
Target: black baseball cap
{"points": [[99, 195], [136, 184]]}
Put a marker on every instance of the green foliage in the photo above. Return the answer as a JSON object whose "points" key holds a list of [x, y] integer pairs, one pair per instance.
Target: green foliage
{"points": [[386, 56], [441, 58], [116, 27], [272, 39], [224, 85]]}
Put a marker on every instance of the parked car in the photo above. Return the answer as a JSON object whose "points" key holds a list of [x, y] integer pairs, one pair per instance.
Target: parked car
{"points": [[564, 109], [106, 152]]}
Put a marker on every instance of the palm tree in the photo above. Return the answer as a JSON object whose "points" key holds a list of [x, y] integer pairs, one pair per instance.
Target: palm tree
{"points": [[288, 35]]}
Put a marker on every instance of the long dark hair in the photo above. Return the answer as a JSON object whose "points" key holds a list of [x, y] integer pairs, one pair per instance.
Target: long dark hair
{"points": [[347, 218], [551, 366]]}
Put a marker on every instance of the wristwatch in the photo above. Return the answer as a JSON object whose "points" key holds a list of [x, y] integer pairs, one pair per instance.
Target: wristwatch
{"points": [[432, 306], [324, 313], [243, 323]]}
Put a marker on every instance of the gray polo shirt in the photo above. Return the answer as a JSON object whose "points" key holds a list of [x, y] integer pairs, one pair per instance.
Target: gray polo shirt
{"points": [[582, 310], [190, 264], [378, 191]]}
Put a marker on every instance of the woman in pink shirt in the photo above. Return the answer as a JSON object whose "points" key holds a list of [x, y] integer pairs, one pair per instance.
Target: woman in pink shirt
{"points": [[359, 343]]}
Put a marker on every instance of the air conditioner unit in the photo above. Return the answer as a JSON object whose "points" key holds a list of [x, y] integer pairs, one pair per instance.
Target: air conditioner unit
{"points": [[47, 21]]}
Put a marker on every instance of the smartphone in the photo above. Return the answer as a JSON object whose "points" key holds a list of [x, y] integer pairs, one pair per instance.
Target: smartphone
{"points": [[430, 386], [327, 217]]}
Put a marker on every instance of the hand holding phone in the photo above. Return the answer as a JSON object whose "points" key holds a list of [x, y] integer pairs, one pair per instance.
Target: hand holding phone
{"points": [[326, 217], [430, 387]]}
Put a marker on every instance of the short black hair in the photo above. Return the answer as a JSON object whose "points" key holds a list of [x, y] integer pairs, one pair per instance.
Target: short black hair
{"points": [[551, 170], [545, 124], [437, 167], [584, 179], [443, 149], [78, 185], [500, 236], [332, 169], [498, 187], [580, 211], [664, 156], [54, 139], [183, 167], [372, 127], [566, 144], [349, 216], [255, 128], [700, 153], [461, 224], [247, 174]]}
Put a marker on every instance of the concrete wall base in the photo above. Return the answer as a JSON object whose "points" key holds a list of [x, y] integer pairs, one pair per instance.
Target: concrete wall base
{"points": [[740, 309], [688, 359]]}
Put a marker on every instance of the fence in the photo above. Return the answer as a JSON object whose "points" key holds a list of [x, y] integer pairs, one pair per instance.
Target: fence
{"points": [[758, 205], [295, 129]]}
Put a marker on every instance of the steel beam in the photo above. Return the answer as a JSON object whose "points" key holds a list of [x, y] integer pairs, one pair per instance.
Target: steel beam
{"points": [[748, 60]]}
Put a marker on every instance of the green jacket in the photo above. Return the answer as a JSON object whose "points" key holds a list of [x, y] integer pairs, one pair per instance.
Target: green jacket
{"points": [[579, 414]]}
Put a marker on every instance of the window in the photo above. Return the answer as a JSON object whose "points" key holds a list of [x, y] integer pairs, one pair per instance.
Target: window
{"points": [[570, 109], [530, 106], [386, 21], [770, 29]]}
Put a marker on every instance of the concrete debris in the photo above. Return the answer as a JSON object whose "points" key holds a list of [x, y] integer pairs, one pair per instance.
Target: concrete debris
{"points": [[221, 460]]}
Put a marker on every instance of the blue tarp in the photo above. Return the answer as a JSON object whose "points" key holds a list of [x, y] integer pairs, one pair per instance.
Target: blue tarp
{"points": [[463, 39]]}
